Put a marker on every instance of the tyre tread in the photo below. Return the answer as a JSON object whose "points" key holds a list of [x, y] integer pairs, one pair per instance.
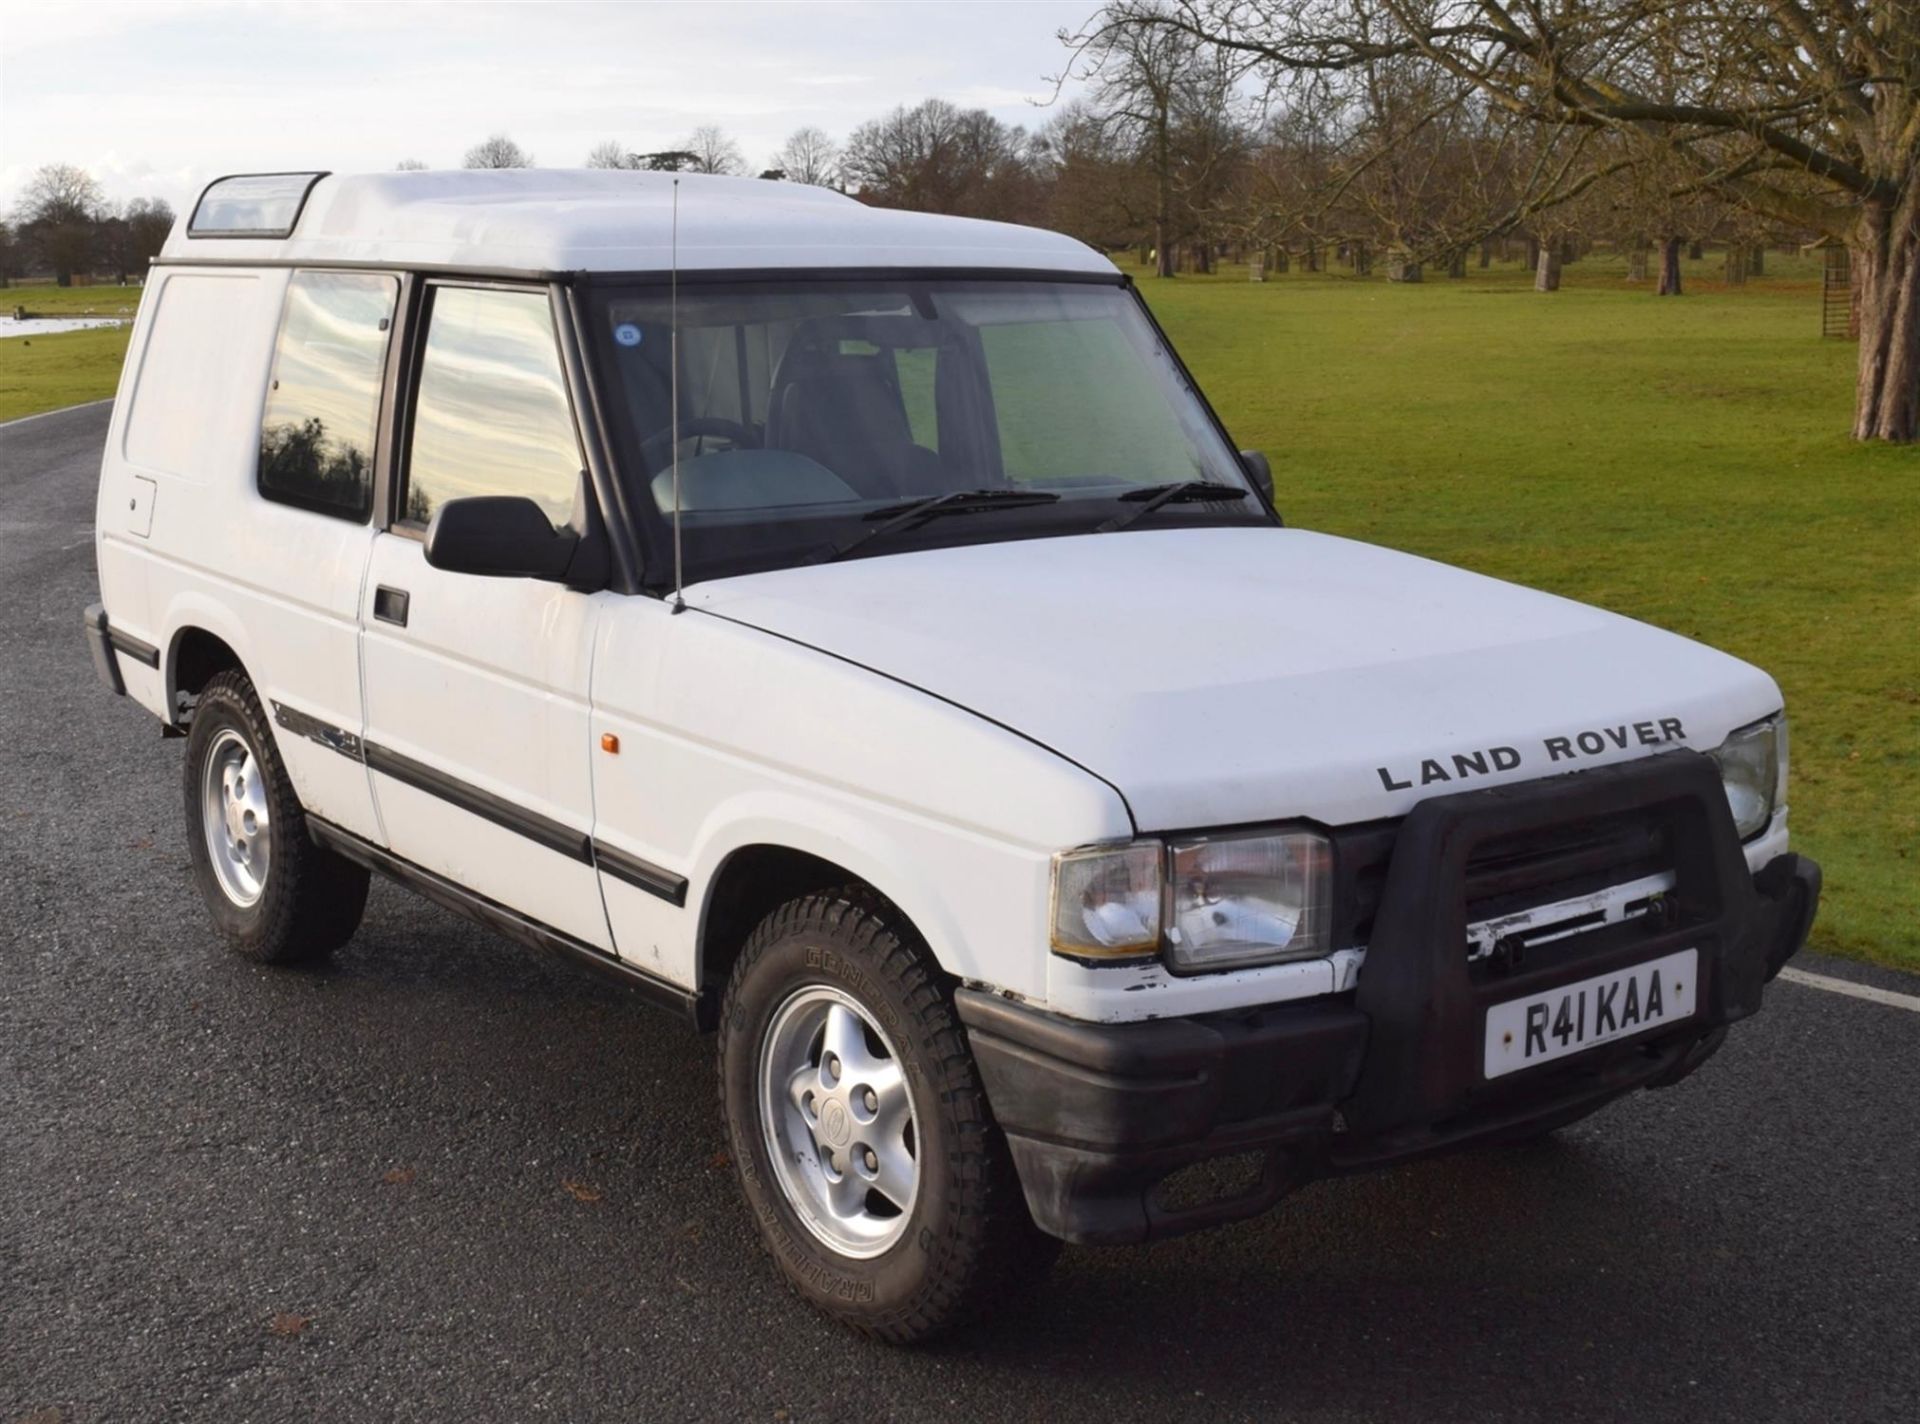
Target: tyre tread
{"points": [[988, 1245], [314, 897]]}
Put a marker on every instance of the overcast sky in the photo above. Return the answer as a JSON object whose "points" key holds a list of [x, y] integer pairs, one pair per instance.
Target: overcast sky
{"points": [[155, 98]]}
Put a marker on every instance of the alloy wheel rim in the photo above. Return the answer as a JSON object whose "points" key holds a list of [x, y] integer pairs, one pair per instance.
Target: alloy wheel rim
{"points": [[235, 819], [838, 1122]]}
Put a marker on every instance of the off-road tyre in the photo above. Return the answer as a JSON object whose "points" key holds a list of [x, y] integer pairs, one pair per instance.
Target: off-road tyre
{"points": [[970, 1240], [312, 898]]}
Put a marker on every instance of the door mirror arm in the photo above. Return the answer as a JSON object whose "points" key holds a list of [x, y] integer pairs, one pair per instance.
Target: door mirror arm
{"points": [[499, 536]]}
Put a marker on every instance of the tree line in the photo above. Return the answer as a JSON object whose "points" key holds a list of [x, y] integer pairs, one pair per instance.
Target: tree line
{"points": [[1429, 135], [64, 224], [1433, 125]]}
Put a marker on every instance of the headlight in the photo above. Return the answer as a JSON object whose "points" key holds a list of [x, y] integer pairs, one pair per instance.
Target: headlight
{"points": [[1753, 768], [1213, 903], [1107, 902], [1249, 899]]}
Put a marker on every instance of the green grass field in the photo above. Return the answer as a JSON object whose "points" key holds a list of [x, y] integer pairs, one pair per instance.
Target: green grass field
{"points": [[1684, 462], [46, 372], [97, 300]]}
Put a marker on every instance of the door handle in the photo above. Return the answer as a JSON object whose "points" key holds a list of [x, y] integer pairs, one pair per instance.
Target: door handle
{"points": [[390, 605]]}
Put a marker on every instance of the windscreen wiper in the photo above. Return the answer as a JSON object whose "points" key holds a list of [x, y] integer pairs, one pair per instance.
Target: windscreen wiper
{"points": [[1180, 492], [896, 517]]}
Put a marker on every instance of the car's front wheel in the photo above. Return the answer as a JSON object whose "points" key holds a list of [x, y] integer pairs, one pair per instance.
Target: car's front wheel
{"points": [[273, 893], [859, 1128]]}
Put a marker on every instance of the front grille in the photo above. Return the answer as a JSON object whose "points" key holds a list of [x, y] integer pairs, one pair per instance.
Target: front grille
{"points": [[1510, 873]]}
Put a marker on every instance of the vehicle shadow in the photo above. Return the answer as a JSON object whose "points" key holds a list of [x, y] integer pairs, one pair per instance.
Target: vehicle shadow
{"points": [[1519, 1281]]}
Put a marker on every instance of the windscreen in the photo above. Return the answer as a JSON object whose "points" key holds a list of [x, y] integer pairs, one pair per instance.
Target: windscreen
{"points": [[808, 412]]}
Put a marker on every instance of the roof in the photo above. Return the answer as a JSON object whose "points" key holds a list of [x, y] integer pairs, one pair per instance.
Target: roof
{"points": [[571, 220]]}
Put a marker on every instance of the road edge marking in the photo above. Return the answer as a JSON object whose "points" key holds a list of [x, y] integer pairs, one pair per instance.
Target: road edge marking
{"points": [[59, 410], [1909, 1002]]}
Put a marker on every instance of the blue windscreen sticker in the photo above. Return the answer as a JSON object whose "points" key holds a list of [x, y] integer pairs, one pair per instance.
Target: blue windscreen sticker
{"points": [[627, 334]]}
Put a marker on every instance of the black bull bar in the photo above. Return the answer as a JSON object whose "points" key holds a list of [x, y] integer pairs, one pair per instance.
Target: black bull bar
{"points": [[1099, 1116]]}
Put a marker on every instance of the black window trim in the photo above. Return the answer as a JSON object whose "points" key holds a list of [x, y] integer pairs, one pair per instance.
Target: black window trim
{"points": [[364, 513], [272, 234]]}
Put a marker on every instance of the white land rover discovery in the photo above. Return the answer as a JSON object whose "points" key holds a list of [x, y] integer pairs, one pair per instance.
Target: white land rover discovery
{"points": [[1055, 838]]}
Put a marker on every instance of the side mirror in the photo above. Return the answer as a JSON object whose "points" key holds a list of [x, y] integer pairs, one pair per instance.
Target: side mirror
{"points": [[1259, 471], [500, 535]]}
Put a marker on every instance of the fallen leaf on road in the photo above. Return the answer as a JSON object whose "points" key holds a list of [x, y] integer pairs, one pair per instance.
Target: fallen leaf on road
{"points": [[720, 1161], [579, 1190], [399, 1177], [285, 1324]]}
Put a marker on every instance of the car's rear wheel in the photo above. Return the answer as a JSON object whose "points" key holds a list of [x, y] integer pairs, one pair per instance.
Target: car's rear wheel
{"points": [[273, 893], [858, 1126]]}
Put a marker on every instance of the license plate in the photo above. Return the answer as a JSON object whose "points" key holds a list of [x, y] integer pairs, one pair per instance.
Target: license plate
{"points": [[1522, 1033]]}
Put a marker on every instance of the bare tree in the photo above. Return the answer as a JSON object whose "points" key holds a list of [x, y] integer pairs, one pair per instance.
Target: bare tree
{"points": [[1807, 111], [809, 156], [1137, 67], [409, 165], [1096, 188], [713, 151], [133, 238], [668, 160], [57, 215], [611, 154], [497, 151], [939, 158]]}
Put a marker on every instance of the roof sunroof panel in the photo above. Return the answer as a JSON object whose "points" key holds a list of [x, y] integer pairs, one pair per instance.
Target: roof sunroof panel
{"points": [[252, 205]]}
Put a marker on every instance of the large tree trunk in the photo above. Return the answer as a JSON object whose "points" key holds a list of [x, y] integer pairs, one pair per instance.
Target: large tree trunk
{"points": [[1886, 285], [1546, 277], [1670, 268]]}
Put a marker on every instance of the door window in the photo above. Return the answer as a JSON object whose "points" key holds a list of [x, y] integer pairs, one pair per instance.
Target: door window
{"points": [[491, 414]]}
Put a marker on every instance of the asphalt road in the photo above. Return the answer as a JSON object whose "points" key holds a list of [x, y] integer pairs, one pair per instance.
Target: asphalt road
{"points": [[442, 1179]]}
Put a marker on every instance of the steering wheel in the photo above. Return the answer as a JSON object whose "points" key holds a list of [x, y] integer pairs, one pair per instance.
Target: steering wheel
{"points": [[658, 446]]}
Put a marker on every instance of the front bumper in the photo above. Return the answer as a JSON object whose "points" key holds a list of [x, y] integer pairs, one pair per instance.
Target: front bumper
{"points": [[1105, 1120]]}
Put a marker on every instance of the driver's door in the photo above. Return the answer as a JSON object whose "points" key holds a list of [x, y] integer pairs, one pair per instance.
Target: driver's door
{"points": [[476, 687]]}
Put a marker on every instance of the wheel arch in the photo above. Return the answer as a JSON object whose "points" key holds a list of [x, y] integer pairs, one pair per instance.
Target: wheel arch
{"points": [[195, 658], [750, 883], [205, 641]]}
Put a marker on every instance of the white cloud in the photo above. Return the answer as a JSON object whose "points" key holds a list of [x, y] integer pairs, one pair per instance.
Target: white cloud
{"points": [[168, 95]]}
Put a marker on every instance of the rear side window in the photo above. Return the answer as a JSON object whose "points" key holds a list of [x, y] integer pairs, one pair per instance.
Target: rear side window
{"points": [[323, 405], [491, 415]]}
